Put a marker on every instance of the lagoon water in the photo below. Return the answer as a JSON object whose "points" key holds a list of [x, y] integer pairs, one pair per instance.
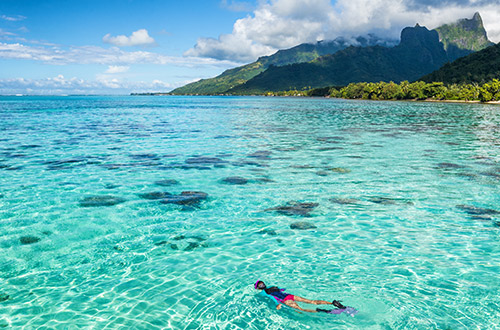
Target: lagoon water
{"points": [[404, 219]]}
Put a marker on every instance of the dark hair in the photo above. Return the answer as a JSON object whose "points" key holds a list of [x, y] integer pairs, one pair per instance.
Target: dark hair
{"points": [[258, 285]]}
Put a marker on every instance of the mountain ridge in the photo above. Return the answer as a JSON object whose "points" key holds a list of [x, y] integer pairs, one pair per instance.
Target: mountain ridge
{"points": [[419, 52], [298, 54], [464, 37]]}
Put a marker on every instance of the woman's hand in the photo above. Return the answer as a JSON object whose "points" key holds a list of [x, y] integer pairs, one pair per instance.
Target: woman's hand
{"points": [[278, 307]]}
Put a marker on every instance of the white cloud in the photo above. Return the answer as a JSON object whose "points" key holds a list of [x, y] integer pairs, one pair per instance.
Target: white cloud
{"points": [[4, 33], [113, 56], [117, 69], [60, 85], [161, 84], [275, 25], [229, 46], [279, 24], [389, 17], [491, 22], [14, 18], [138, 38], [111, 83]]}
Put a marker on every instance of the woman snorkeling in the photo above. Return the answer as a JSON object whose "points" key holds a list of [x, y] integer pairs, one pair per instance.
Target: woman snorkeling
{"points": [[291, 300]]}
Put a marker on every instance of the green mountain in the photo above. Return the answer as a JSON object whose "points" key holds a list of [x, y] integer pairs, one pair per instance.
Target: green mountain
{"points": [[298, 54], [464, 37], [337, 63], [420, 52], [479, 67]]}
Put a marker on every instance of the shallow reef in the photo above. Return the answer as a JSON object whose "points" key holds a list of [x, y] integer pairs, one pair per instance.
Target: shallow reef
{"points": [[186, 198], [302, 225], [295, 208], [167, 182], [235, 180], [102, 200], [26, 240], [155, 195]]}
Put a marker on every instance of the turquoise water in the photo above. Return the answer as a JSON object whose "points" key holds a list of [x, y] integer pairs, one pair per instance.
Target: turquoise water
{"points": [[404, 226]]}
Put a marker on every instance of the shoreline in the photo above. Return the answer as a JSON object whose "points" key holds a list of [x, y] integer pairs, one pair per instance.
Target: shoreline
{"points": [[461, 101], [327, 97]]}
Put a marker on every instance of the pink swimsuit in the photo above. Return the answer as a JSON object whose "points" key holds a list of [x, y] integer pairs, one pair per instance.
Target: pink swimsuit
{"points": [[289, 297], [282, 296]]}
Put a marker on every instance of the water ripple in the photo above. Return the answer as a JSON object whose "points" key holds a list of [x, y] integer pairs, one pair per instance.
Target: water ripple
{"points": [[402, 201]]}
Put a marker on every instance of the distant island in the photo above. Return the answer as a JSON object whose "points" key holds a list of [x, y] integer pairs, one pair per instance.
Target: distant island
{"points": [[150, 94], [452, 62]]}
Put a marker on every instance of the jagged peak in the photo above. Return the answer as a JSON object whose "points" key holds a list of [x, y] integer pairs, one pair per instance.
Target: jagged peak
{"points": [[476, 18], [463, 36], [410, 33], [476, 22]]}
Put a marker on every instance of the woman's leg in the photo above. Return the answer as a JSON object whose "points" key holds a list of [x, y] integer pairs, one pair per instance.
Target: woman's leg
{"points": [[293, 304], [313, 302]]}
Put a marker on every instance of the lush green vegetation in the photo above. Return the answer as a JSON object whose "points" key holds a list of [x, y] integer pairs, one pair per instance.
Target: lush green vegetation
{"points": [[334, 63], [464, 37], [225, 81], [405, 90], [237, 76], [418, 53], [478, 67], [471, 78]]}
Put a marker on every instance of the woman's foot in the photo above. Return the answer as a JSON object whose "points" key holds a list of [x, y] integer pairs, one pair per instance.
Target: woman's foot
{"points": [[330, 311], [337, 304]]}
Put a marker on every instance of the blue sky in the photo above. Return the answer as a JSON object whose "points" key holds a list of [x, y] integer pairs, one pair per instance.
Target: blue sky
{"points": [[70, 25], [123, 46]]}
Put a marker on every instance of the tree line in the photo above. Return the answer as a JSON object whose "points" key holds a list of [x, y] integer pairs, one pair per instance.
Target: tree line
{"points": [[405, 90]]}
